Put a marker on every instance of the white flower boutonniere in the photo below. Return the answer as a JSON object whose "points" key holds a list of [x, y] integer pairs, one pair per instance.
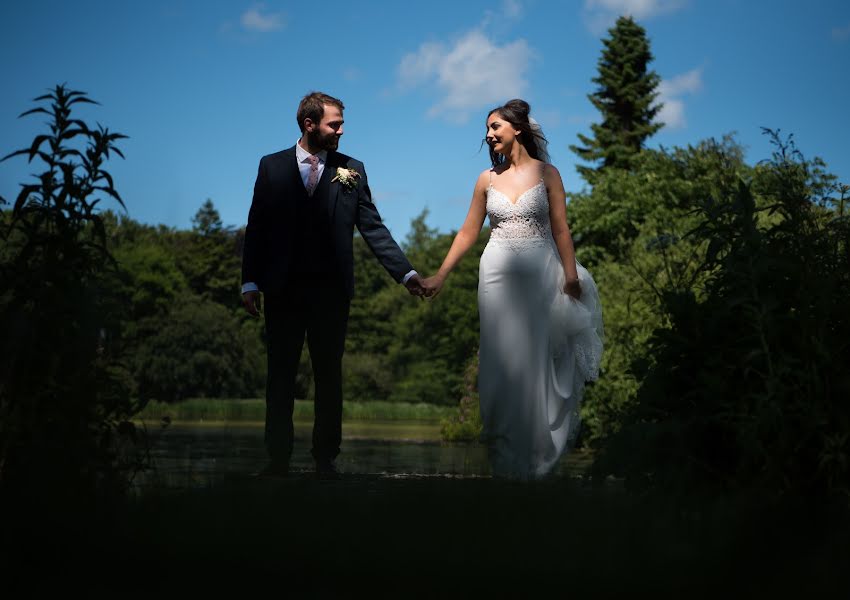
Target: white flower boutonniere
{"points": [[346, 177]]}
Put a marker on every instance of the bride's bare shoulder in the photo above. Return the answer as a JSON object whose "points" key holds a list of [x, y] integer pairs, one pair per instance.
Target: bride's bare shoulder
{"points": [[552, 179], [550, 170], [551, 174], [483, 179]]}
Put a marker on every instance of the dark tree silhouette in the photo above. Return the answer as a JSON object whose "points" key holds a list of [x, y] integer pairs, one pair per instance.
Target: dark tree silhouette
{"points": [[625, 97]]}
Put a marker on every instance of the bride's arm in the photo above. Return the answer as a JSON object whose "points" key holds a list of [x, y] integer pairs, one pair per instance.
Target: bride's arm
{"points": [[465, 238], [560, 228]]}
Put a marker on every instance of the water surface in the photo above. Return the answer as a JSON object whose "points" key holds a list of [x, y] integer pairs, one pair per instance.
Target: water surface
{"points": [[191, 455]]}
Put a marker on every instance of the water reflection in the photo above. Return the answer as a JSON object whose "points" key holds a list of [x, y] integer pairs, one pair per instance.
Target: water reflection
{"points": [[201, 455]]}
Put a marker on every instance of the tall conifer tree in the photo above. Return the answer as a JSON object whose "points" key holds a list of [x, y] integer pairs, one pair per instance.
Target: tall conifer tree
{"points": [[625, 97]]}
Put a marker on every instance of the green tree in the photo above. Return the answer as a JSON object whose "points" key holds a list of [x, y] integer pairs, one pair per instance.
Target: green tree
{"points": [[149, 280], [625, 97], [207, 221], [210, 257], [631, 231], [402, 349], [747, 382], [199, 349]]}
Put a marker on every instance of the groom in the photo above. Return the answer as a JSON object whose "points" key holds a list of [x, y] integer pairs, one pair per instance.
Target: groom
{"points": [[298, 253]]}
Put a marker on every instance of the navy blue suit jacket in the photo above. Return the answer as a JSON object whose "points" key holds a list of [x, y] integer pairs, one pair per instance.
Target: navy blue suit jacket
{"points": [[267, 251]]}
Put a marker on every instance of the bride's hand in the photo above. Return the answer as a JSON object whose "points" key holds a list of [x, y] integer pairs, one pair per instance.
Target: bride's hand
{"points": [[572, 287], [433, 285]]}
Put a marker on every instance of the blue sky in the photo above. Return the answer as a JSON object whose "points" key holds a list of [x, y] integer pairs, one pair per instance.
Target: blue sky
{"points": [[205, 88]]}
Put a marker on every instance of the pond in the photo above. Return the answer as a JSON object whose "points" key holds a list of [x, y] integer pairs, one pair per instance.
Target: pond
{"points": [[198, 454]]}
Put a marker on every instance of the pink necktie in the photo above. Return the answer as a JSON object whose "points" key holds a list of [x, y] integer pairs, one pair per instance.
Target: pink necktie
{"points": [[313, 179]]}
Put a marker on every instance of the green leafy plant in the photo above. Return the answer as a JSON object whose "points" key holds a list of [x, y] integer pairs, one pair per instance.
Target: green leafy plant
{"points": [[65, 396], [748, 385]]}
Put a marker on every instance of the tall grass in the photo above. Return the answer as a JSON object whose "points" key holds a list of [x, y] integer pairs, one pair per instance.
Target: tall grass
{"points": [[254, 409]]}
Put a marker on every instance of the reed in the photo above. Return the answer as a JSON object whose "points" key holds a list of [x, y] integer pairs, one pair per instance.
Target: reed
{"points": [[254, 409]]}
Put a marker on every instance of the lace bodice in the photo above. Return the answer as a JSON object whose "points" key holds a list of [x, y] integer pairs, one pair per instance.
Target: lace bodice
{"points": [[522, 224]]}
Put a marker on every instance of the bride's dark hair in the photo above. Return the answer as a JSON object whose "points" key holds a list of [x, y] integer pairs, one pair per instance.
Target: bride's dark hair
{"points": [[516, 113]]}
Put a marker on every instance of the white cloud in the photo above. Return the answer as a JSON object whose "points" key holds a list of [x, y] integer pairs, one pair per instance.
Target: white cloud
{"points": [[841, 33], [672, 113], [351, 74], [512, 8], [503, 19], [686, 83], [599, 15], [639, 9], [548, 119], [471, 74], [256, 19]]}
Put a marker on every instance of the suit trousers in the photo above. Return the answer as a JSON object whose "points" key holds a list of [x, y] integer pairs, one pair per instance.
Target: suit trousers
{"points": [[316, 307]]}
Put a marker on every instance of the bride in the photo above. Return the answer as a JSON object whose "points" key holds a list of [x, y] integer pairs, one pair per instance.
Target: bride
{"points": [[540, 316]]}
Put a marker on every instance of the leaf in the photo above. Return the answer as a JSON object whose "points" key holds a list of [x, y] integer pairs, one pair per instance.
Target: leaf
{"points": [[70, 152], [70, 133], [36, 144], [16, 153], [79, 123], [33, 111], [108, 177], [26, 191], [43, 156], [714, 248], [111, 192], [82, 99]]}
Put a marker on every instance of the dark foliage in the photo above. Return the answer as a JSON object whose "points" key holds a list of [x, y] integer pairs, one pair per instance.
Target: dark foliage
{"points": [[748, 386], [65, 394]]}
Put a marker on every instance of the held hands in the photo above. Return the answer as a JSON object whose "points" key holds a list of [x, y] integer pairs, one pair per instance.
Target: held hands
{"points": [[433, 285], [425, 288], [415, 285]]}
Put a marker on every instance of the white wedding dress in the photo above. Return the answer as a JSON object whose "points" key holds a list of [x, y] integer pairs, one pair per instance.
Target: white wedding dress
{"points": [[538, 345]]}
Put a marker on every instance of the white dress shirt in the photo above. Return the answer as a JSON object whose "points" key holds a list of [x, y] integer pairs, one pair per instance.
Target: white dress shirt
{"points": [[303, 158]]}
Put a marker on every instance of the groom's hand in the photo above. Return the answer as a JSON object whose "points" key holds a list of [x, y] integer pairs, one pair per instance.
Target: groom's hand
{"points": [[252, 302], [415, 286]]}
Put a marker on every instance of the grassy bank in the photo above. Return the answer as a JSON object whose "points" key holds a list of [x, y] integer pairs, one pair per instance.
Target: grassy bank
{"points": [[254, 409]]}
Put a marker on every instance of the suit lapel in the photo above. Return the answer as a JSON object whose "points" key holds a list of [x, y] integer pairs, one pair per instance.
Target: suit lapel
{"points": [[327, 189]]}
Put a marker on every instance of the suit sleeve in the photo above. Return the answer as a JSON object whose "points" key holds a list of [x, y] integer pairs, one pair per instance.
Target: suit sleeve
{"points": [[376, 234], [253, 256]]}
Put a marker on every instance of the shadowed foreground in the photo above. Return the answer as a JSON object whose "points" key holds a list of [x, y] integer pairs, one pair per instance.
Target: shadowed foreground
{"points": [[406, 537]]}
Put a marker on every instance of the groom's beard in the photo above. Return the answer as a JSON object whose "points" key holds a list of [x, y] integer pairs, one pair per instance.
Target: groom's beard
{"points": [[323, 142]]}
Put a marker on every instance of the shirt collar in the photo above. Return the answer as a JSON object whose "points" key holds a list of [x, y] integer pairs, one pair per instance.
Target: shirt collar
{"points": [[301, 154]]}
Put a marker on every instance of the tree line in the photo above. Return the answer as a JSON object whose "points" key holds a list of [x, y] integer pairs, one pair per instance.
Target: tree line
{"points": [[723, 287]]}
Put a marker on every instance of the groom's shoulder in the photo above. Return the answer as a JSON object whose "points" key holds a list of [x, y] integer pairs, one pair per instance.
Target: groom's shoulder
{"points": [[277, 157], [349, 161]]}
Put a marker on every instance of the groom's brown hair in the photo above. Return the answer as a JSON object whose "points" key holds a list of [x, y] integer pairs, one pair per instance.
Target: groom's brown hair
{"points": [[312, 106]]}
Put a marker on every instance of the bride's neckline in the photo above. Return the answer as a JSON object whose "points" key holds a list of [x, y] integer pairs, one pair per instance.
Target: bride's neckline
{"points": [[520, 197]]}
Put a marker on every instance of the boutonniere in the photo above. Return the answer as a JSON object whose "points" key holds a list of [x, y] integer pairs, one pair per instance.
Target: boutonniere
{"points": [[346, 177]]}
